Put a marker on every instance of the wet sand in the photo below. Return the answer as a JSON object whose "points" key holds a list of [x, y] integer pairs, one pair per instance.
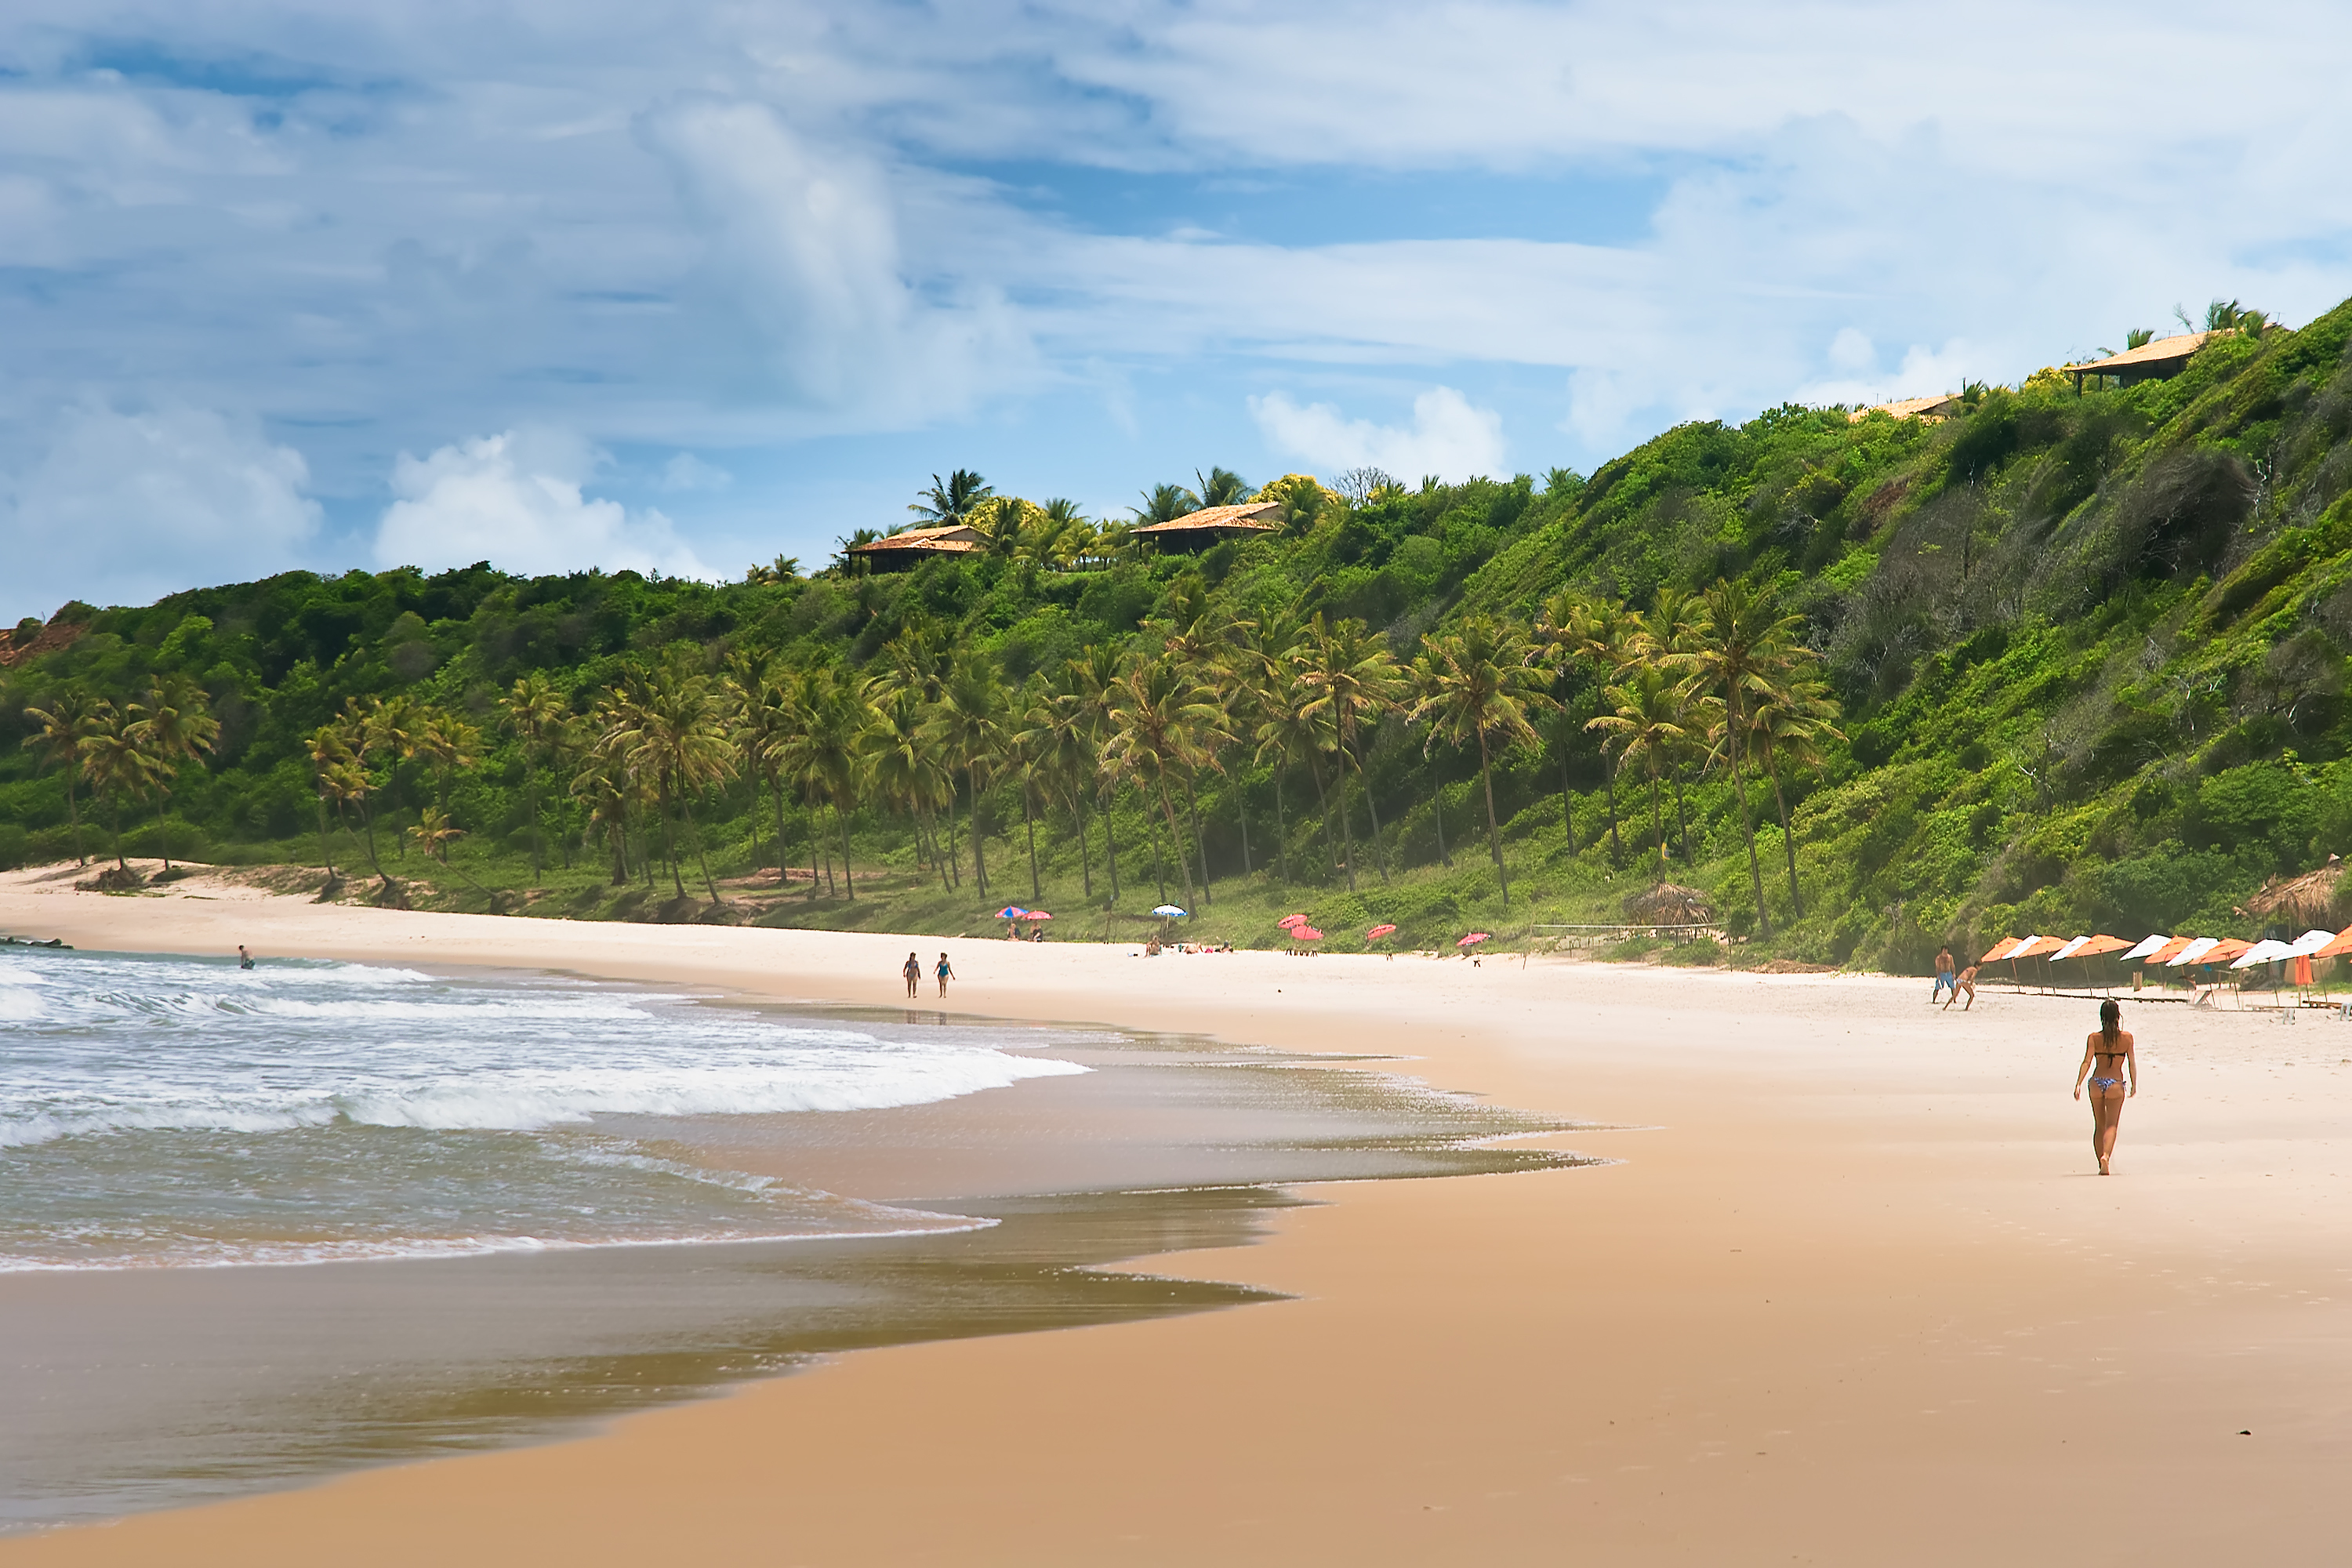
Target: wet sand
{"points": [[1849, 1294]]}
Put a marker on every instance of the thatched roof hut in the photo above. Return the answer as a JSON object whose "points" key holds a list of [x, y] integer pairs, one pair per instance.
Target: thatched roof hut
{"points": [[2306, 900], [1670, 904]]}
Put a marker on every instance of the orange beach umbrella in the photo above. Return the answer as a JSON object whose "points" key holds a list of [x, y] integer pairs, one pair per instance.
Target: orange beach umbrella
{"points": [[1377, 932]]}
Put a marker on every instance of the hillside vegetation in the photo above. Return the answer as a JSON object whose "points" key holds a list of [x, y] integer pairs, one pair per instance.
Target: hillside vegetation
{"points": [[2058, 663]]}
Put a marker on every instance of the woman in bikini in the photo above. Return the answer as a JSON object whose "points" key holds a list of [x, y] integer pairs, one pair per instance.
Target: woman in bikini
{"points": [[2109, 1062]]}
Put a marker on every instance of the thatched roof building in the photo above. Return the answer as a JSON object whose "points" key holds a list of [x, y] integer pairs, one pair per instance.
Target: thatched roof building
{"points": [[901, 552], [1928, 410], [2306, 900], [1198, 530], [1670, 904]]}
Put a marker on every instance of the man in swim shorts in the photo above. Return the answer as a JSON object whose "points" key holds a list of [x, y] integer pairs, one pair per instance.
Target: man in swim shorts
{"points": [[914, 974], [1943, 975], [244, 959]]}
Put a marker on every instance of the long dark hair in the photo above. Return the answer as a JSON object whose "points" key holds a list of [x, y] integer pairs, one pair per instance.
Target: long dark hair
{"points": [[2111, 1019]]}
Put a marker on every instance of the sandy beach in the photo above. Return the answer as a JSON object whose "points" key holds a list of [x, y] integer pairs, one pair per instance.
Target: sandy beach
{"points": [[1848, 1292]]}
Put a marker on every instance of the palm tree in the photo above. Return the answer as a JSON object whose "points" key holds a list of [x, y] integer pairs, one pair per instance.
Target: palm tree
{"points": [[1351, 677], [1788, 724], [1481, 681], [1740, 657], [391, 723], [1604, 637], [174, 726], [901, 763], [969, 725], [1675, 623], [1294, 730], [433, 832], [672, 733], [1161, 718], [447, 742], [1056, 742], [952, 503], [610, 794], [56, 736], [1648, 708], [116, 756], [1218, 487], [1094, 683], [540, 719], [828, 752], [1166, 504]]}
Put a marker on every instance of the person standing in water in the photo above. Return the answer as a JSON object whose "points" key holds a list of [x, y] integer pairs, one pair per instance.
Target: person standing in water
{"points": [[946, 973], [914, 974], [244, 959], [2109, 1051]]}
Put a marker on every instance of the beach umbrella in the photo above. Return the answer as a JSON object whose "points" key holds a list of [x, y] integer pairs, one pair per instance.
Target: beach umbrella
{"points": [[1035, 915], [2172, 945], [2267, 951], [2005, 948], [1010, 912], [2073, 945], [1305, 933], [2340, 945], [1286, 921], [2222, 951], [1473, 939], [1171, 910], [2194, 952], [1377, 932], [2145, 946], [2036, 947], [2309, 943]]}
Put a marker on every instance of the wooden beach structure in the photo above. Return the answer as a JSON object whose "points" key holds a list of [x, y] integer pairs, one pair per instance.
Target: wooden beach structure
{"points": [[909, 548], [2154, 360], [1212, 525], [1926, 410]]}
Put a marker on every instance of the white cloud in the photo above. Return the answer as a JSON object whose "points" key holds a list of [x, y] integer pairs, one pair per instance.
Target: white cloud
{"points": [[122, 508], [1448, 436], [684, 471], [804, 243], [514, 500]]}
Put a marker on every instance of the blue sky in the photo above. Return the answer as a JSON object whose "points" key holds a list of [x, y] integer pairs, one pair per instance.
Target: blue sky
{"points": [[684, 286]]}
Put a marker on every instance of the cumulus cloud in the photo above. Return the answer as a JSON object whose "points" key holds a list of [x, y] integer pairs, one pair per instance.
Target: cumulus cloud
{"points": [[1449, 437], [803, 241], [514, 500], [122, 508]]}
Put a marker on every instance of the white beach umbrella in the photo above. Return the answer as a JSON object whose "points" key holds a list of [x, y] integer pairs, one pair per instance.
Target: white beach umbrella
{"points": [[2068, 951], [2309, 942], [2267, 951], [2193, 952], [2148, 944]]}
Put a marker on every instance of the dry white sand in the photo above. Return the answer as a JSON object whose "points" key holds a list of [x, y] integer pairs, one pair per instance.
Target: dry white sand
{"points": [[1851, 1294]]}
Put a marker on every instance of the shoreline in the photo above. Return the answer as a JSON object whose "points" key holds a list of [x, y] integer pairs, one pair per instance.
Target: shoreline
{"points": [[1844, 1293]]}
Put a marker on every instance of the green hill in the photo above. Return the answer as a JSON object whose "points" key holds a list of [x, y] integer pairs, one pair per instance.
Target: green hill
{"points": [[2088, 655]]}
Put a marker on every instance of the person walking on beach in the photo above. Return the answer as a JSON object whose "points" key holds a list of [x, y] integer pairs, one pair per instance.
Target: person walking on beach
{"points": [[244, 959], [914, 974], [1966, 981], [2112, 1067], [1944, 979], [946, 972]]}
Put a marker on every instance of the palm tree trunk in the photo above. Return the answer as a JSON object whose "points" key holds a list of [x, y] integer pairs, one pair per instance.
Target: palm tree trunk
{"points": [[1323, 810], [538, 852], [1241, 815], [1111, 843], [1192, 808], [1029, 821], [1373, 809], [114, 815], [367, 820], [1748, 831], [326, 845], [1609, 789], [618, 834], [1682, 817], [162, 832], [1085, 848], [669, 849], [1437, 816], [1658, 825], [1281, 831], [73, 812], [700, 858], [1493, 833], [978, 845], [777, 788], [1176, 837], [848, 876], [955, 851], [1787, 844], [1567, 805], [1347, 828]]}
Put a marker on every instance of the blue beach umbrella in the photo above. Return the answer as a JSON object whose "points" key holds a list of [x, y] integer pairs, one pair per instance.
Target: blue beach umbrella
{"points": [[1010, 912], [1171, 910]]}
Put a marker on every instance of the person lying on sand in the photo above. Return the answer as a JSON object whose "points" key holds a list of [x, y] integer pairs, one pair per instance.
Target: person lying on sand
{"points": [[1966, 982], [2110, 1052]]}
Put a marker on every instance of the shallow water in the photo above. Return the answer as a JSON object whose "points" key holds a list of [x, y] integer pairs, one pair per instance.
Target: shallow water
{"points": [[529, 1204]]}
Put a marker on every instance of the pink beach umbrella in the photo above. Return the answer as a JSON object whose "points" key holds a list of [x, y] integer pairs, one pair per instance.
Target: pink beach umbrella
{"points": [[1473, 939], [1287, 922], [1306, 933], [1377, 932], [1035, 915]]}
